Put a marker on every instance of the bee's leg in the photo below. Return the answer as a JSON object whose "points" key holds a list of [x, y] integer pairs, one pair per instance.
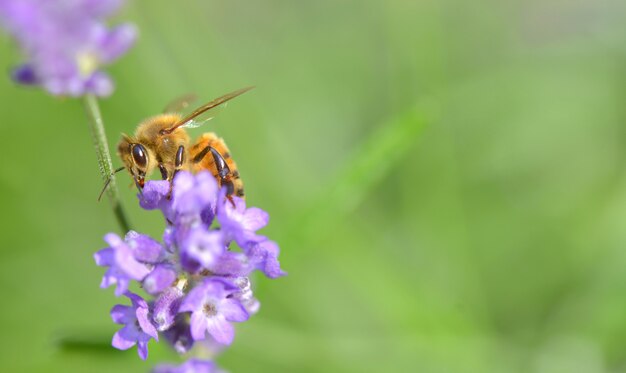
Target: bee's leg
{"points": [[178, 165], [223, 171], [163, 170]]}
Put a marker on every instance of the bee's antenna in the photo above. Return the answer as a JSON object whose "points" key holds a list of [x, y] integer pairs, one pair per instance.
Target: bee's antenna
{"points": [[106, 183]]}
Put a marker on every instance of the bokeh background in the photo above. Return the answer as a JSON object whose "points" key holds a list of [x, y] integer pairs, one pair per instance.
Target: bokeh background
{"points": [[446, 180]]}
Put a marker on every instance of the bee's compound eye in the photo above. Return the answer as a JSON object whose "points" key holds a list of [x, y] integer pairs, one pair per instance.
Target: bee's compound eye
{"points": [[139, 155]]}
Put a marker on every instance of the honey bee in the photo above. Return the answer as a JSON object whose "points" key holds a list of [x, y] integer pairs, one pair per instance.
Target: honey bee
{"points": [[162, 142]]}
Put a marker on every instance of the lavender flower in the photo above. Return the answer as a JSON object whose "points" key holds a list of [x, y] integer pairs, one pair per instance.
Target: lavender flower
{"points": [[162, 277], [167, 305], [197, 275], [240, 224], [137, 330], [211, 310], [122, 263], [65, 42]]}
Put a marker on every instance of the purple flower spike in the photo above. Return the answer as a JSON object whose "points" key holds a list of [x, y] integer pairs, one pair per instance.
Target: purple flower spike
{"points": [[137, 330], [190, 366], [66, 43], [123, 266], [199, 282], [212, 311], [238, 223]]}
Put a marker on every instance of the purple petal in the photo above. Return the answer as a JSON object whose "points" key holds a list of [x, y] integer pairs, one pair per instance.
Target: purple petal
{"points": [[154, 194], [240, 224], [179, 336], [113, 240], [145, 249], [218, 287], [207, 216], [122, 339], [100, 84], [122, 314], [145, 323], [220, 329], [125, 260], [169, 239], [25, 74], [194, 299], [198, 325], [142, 350], [161, 277], [203, 246], [233, 311], [166, 307], [255, 218], [192, 195], [232, 264], [136, 300], [116, 42], [122, 286], [105, 257], [264, 256]]}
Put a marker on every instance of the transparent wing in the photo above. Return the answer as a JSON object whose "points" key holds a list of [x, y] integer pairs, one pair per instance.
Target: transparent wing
{"points": [[180, 103], [199, 117], [203, 118], [197, 122]]}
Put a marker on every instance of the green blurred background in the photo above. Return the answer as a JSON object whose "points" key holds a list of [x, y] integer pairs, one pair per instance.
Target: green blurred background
{"points": [[446, 180]]}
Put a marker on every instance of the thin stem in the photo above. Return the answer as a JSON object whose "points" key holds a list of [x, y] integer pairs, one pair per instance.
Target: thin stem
{"points": [[96, 127]]}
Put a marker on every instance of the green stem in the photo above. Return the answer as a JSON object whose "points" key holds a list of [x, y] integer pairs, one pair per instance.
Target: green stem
{"points": [[96, 127]]}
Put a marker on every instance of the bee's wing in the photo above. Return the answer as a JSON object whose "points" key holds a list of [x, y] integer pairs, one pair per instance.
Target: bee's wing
{"points": [[196, 118], [197, 122], [180, 103]]}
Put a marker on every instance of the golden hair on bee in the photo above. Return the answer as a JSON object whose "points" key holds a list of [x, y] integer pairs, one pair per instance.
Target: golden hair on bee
{"points": [[162, 142]]}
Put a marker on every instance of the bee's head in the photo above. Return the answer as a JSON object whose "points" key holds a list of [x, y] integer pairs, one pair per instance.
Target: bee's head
{"points": [[136, 159]]}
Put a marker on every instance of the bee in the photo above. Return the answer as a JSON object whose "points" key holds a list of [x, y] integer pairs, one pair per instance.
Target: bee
{"points": [[162, 143]]}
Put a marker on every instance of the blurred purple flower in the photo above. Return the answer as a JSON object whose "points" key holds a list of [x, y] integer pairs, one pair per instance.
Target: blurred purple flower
{"points": [[190, 366], [137, 329], [212, 310], [65, 42]]}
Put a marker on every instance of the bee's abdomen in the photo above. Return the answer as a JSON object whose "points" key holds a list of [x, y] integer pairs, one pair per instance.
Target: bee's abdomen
{"points": [[201, 159]]}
